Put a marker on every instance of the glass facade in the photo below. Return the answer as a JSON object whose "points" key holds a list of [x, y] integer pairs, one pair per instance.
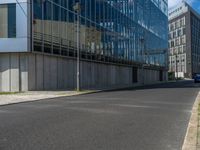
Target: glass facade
{"points": [[8, 21], [117, 31]]}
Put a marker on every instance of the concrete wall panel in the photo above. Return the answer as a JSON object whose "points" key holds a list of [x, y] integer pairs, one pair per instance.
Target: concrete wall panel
{"points": [[24, 72], [60, 74], [72, 73], [5, 72], [28, 71], [39, 72], [47, 73], [66, 71], [14, 72], [32, 72], [53, 73]]}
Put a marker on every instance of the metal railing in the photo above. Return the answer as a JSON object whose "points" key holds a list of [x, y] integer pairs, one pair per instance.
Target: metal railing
{"points": [[44, 43]]}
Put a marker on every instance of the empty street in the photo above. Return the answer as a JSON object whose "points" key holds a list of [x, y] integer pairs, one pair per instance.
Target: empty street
{"points": [[151, 118]]}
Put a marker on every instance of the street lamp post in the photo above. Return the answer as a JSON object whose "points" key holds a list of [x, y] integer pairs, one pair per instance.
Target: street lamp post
{"points": [[77, 9], [142, 40], [176, 74]]}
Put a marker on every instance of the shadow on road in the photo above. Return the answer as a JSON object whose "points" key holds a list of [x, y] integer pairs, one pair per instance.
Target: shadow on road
{"points": [[179, 84]]}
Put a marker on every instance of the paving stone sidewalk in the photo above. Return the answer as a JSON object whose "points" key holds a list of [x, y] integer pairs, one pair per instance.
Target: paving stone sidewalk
{"points": [[6, 99]]}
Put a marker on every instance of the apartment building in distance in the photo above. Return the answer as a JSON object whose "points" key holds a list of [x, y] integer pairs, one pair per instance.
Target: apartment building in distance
{"points": [[121, 43], [184, 41]]}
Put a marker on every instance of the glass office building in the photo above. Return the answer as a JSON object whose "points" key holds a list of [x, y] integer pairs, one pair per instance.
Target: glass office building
{"points": [[121, 43], [117, 31]]}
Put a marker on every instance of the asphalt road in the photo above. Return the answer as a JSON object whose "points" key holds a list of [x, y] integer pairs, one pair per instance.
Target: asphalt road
{"points": [[152, 118]]}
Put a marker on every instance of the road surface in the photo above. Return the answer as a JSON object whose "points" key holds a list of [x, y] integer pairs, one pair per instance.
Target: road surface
{"points": [[151, 118]]}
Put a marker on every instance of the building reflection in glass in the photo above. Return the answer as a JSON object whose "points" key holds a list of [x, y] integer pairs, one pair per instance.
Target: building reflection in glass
{"points": [[117, 31]]}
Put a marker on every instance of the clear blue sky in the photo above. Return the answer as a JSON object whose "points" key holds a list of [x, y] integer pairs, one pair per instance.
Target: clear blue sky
{"points": [[194, 3]]}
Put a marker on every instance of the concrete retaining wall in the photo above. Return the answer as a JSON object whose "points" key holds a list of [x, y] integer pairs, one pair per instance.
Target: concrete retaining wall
{"points": [[50, 72], [149, 76], [28, 71]]}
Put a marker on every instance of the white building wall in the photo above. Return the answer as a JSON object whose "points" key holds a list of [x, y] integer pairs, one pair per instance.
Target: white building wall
{"points": [[13, 72], [28, 71]]}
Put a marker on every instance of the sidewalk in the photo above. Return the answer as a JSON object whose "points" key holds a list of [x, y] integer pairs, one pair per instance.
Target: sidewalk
{"points": [[192, 138], [14, 98], [198, 127]]}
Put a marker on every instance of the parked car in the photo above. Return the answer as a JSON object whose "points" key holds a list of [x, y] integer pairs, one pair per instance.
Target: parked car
{"points": [[197, 78]]}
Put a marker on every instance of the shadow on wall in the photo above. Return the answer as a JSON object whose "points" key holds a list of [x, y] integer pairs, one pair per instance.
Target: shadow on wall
{"points": [[13, 72], [28, 71], [31, 71], [50, 72]]}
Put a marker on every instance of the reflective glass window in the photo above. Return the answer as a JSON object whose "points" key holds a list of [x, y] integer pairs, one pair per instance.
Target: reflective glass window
{"points": [[8, 21]]}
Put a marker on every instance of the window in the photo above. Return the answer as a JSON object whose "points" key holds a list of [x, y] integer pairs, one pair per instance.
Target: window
{"points": [[182, 22], [179, 32], [184, 32], [183, 40], [180, 49], [8, 21], [177, 42], [174, 34], [178, 24], [172, 44], [172, 27]]}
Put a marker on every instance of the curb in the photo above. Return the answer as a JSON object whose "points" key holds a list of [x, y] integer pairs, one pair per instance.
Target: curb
{"points": [[57, 96], [92, 91], [190, 142]]}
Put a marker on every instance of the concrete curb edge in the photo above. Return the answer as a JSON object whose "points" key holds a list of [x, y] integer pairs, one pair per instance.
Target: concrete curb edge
{"points": [[90, 92], [190, 141]]}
